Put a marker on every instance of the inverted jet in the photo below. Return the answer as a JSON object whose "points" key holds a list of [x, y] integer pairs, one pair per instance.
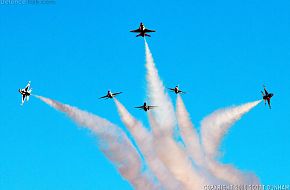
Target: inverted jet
{"points": [[145, 107], [267, 96], [110, 95], [25, 92], [176, 90], [142, 31]]}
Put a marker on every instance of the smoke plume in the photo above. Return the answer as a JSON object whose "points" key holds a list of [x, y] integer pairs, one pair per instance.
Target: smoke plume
{"points": [[188, 133], [217, 124], [113, 142], [158, 96], [163, 127], [175, 155], [144, 140], [213, 128]]}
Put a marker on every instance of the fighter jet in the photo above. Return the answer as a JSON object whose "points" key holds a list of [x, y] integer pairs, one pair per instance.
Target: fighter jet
{"points": [[145, 107], [142, 31], [176, 90], [25, 93], [110, 95], [267, 96]]}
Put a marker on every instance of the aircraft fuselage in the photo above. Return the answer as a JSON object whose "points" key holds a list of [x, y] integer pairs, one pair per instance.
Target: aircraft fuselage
{"points": [[110, 95], [268, 97], [23, 92], [142, 27], [176, 90], [145, 107]]}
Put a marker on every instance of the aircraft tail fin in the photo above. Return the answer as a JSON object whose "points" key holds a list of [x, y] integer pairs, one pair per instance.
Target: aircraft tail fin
{"points": [[262, 93]]}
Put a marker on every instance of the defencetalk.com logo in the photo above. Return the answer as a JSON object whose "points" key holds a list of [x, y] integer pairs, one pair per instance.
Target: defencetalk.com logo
{"points": [[27, 2]]}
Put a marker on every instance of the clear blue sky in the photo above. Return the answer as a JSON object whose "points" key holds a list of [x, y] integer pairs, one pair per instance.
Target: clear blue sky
{"points": [[221, 52]]}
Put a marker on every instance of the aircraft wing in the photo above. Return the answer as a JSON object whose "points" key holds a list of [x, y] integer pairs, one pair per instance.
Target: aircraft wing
{"points": [[269, 103], [266, 92], [104, 97], [171, 89], [147, 30], [140, 107], [27, 86], [114, 94], [180, 91], [137, 30], [23, 98]]}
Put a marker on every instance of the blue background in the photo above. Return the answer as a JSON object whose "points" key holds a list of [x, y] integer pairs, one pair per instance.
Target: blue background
{"points": [[220, 52]]}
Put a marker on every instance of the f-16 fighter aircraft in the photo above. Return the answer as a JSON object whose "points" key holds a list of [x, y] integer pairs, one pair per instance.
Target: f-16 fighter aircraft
{"points": [[145, 107], [142, 31], [25, 93], [267, 96], [110, 95], [176, 90]]}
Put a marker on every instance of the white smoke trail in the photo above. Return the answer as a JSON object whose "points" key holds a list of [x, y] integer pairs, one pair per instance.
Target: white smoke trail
{"points": [[179, 164], [192, 143], [217, 124], [145, 143], [188, 133], [229, 174], [213, 129], [158, 96], [113, 143], [175, 159]]}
